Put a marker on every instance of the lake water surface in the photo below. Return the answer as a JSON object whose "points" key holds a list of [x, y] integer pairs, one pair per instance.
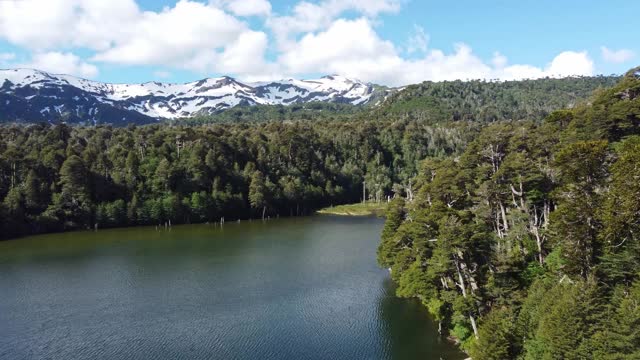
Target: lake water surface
{"points": [[299, 288]]}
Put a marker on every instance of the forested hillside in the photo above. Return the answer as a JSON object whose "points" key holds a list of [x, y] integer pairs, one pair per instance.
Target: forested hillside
{"points": [[489, 101], [527, 245], [55, 178], [265, 113]]}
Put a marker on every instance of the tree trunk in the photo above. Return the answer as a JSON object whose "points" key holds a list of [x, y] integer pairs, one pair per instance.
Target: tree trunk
{"points": [[473, 325], [534, 226], [499, 229], [539, 244], [460, 279], [13, 174], [364, 192], [504, 217], [464, 294]]}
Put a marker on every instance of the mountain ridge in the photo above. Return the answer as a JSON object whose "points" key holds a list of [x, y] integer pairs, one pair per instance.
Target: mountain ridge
{"points": [[29, 95]]}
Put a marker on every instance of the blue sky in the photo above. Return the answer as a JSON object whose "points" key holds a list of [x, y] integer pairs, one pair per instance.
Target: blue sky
{"points": [[392, 42]]}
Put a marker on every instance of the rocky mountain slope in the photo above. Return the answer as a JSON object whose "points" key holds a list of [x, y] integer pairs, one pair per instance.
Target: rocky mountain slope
{"points": [[33, 96]]}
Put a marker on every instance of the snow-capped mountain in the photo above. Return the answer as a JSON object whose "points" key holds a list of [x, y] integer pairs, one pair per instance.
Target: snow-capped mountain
{"points": [[32, 95]]}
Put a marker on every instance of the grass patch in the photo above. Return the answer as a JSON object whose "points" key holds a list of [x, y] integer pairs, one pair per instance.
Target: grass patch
{"points": [[358, 209]]}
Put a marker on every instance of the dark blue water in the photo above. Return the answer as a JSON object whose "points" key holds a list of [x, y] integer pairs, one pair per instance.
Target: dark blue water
{"points": [[305, 288]]}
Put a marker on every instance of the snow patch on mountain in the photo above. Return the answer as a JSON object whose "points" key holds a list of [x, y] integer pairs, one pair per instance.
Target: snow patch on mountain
{"points": [[165, 100]]}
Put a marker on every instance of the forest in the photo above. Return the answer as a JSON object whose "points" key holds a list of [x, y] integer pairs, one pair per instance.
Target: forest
{"points": [[57, 178], [489, 101], [527, 245]]}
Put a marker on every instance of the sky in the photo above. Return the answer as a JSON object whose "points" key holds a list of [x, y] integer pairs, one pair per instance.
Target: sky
{"points": [[388, 42]]}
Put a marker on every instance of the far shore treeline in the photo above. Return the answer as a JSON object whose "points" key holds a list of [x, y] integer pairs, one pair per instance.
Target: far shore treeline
{"points": [[59, 178]]}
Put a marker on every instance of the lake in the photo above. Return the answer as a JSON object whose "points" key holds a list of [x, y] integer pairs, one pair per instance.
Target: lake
{"points": [[297, 288]]}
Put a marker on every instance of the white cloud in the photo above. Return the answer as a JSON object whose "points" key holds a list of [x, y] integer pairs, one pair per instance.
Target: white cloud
{"points": [[174, 35], [570, 63], [50, 24], [161, 74], [308, 17], [192, 34], [62, 63], [418, 41], [499, 61], [353, 48], [616, 56], [567, 63], [245, 7], [211, 38], [6, 57], [245, 57], [246, 54], [517, 72], [340, 49]]}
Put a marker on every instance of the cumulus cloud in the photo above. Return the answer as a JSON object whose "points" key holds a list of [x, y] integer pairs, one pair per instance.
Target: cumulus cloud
{"points": [[616, 56], [340, 49], [63, 63], [161, 74], [570, 63], [6, 57], [192, 35], [245, 7], [49, 24], [309, 17], [211, 37], [499, 61], [353, 48], [174, 35], [418, 41]]}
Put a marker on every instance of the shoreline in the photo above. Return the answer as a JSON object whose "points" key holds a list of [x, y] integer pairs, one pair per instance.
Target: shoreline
{"points": [[357, 209]]}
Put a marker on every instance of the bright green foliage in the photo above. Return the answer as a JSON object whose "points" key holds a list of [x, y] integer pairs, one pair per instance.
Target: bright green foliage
{"points": [[262, 113], [621, 234], [60, 178], [497, 340], [73, 177], [567, 322], [257, 191], [487, 102], [415, 282], [395, 217], [532, 234], [582, 169], [619, 338]]}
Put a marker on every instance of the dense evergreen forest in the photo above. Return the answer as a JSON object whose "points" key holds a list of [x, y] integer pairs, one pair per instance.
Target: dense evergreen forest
{"points": [[56, 178], [265, 113], [489, 101], [527, 245]]}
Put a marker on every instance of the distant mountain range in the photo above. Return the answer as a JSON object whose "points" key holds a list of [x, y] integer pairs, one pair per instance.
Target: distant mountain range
{"points": [[35, 96], [31, 96]]}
